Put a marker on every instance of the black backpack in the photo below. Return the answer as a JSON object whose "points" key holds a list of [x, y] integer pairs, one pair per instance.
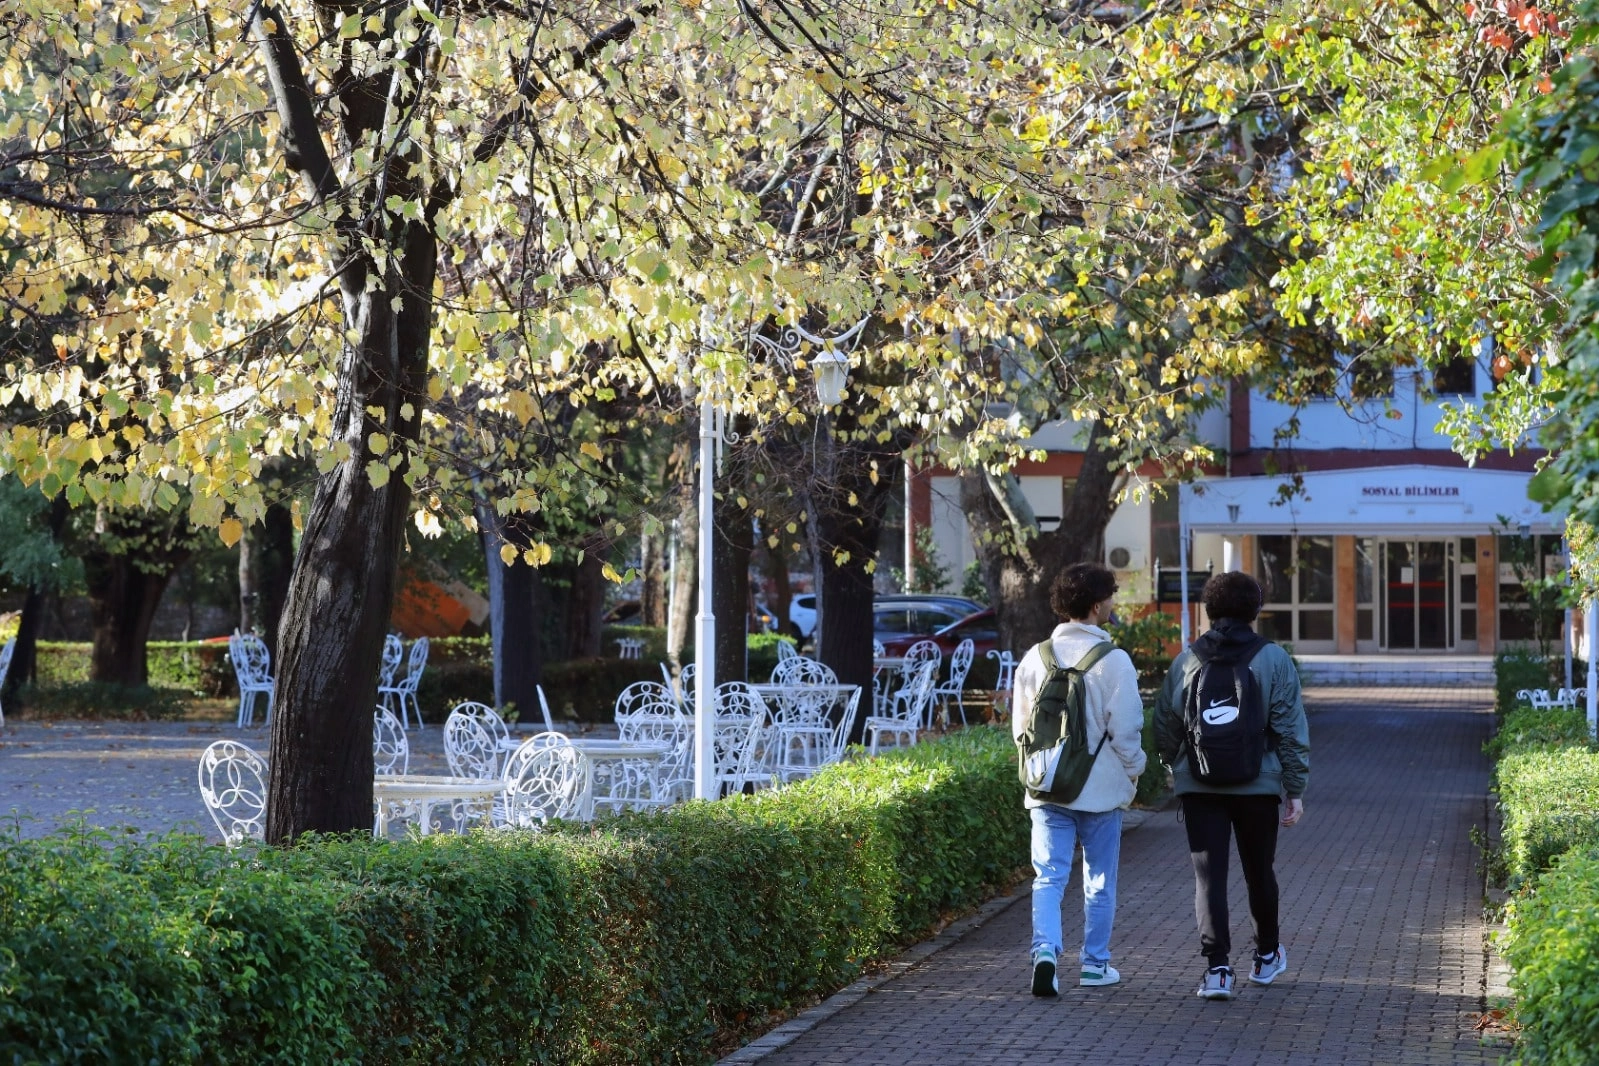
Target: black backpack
{"points": [[1224, 716], [1053, 757]]}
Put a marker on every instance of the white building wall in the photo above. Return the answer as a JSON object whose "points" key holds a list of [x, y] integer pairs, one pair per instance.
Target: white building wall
{"points": [[1341, 423]]}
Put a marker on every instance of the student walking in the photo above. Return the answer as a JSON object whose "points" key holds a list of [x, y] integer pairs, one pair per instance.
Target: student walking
{"points": [[1230, 722], [1079, 687]]}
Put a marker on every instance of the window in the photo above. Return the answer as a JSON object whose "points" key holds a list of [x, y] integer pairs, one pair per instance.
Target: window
{"points": [[1296, 577], [1457, 377], [1165, 529], [1370, 378]]}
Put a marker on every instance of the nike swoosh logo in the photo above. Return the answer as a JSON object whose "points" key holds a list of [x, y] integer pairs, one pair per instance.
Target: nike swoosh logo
{"points": [[1219, 715]]}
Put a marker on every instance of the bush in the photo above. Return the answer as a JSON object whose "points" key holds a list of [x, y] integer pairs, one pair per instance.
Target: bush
{"points": [[100, 699], [1524, 729], [1552, 943], [1515, 670], [1154, 782], [648, 940], [1549, 800]]}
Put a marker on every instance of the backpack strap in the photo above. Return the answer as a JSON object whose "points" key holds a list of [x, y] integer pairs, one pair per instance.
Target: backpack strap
{"points": [[1096, 653]]}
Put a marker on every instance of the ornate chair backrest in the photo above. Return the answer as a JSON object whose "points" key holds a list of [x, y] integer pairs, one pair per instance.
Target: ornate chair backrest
{"points": [[640, 693], [233, 786], [913, 697], [960, 663], [878, 651], [393, 652], [785, 650], [472, 735], [418, 662], [5, 659], [252, 663], [1007, 670], [923, 651], [803, 671], [548, 784], [740, 720], [685, 686], [531, 746], [841, 731], [391, 752], [544, 709]]}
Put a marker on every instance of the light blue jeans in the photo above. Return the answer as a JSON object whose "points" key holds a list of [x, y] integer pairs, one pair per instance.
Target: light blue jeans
{"points": [[1056, 831]]}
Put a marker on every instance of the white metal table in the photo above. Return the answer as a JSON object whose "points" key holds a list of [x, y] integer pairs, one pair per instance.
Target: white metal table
{"points": [[424, 791]]}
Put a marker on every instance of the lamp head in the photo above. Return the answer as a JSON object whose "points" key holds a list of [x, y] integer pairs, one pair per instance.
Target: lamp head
{"points": [[831, 368]]}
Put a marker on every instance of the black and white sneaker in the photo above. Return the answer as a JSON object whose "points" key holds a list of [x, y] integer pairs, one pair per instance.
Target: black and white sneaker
{"points": [[1268, 968], [1045, 981], [1218, 983]]}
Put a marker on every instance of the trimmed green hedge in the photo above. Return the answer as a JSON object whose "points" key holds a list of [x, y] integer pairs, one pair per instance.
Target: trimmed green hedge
{"points": [[1552, 943], [1515, 670], [653, 939], [1549, 800]]}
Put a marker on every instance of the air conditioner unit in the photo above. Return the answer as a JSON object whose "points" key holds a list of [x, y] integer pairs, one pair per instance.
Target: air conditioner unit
{"points": [[1118, 557]]}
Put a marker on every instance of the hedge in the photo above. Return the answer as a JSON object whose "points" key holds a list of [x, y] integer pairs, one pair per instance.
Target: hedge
{"points": [[1552, 943], [1549, 801], [651, 939]]}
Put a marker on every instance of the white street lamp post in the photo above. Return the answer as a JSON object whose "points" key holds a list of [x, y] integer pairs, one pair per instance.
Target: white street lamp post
{"points": [[830, 366]]}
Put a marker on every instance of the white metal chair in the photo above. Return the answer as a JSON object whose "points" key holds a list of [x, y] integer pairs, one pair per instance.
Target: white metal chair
{"points": [[878, 651], [252, 666], [954, 689], [472, 736], [808, 743], [785, 649], [803, 671], [403, 691], [650, 783], [630, 648], [1539, 698], [685, 687], [640, 693], [5, 669], [391, 751], [550, 778], [544, 709], [906, 709], [233, 786], [740, 737], [1007, 670], [393, 655]]}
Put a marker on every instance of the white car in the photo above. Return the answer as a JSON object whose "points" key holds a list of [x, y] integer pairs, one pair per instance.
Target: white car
{"points": [[802, 616]]}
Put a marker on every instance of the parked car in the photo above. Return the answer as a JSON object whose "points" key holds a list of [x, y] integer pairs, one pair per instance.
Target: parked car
{"points": [[903, 619], [981, 626]]}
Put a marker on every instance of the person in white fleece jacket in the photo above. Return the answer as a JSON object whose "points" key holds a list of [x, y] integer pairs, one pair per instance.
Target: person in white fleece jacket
{"points": [[1081, 596]]}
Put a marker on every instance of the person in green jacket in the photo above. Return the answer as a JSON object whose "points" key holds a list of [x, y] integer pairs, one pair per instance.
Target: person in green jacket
{"points": [[1213, 814]]}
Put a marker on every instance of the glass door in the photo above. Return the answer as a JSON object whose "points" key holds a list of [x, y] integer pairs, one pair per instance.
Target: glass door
{"points": [[1418, 590]]}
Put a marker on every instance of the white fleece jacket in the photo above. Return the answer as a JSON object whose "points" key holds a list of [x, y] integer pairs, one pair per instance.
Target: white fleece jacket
{"points": [[1113, 707]]}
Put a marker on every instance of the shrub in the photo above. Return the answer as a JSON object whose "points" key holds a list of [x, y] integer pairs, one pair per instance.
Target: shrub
{"points": [[1549, 799], [1552, 943], [1155, 781], [1525, 728], [1147, 640], [1515, 670], [101, 699], [640, 941]]}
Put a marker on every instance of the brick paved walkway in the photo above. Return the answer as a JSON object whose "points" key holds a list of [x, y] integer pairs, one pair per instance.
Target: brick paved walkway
{"points": [[1381, 913]]}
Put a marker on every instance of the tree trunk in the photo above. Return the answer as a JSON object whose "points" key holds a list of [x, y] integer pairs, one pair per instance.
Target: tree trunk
{"points": [[342, 589], [585, 606], [123, 599], [730, 584], [274, 554], [25, 655], [776, 567], [652, 582], [514, 593], [1018, 562], [685, 580]]}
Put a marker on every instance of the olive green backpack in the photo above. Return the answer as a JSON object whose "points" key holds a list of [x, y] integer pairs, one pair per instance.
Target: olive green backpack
{"points": [[1053, 755]]}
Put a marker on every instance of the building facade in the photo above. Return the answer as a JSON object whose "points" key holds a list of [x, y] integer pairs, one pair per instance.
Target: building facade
{"points": [[1367, 532]]}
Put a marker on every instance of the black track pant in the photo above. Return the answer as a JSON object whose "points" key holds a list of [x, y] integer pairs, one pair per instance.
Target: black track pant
{"points": [[1211, 822]]}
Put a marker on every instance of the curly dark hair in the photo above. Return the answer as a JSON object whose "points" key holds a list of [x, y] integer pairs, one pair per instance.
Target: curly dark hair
{"points": [[1233, 595], [1078, 588]]}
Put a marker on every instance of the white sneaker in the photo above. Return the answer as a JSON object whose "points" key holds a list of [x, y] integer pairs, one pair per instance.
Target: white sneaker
{"points": [[1045, 980], [1268, 969], [1095, 976], [1218, 983]]}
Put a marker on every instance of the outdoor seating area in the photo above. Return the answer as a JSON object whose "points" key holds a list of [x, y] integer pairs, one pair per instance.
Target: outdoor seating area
{"points": [[764, 735]]}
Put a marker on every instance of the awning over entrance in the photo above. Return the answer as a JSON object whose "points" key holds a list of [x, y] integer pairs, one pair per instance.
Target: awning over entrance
{"points": [[1402, 500]]}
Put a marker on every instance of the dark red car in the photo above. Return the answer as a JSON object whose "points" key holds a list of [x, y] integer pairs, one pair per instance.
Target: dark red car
{"points": [[981, 627]]}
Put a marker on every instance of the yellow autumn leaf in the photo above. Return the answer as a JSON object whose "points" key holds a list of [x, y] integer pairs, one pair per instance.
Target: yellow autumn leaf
{"points": [[507, 554], [592, 450], [230, 531]]}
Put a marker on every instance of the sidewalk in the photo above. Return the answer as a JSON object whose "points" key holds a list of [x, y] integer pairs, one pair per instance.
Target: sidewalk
{"points": [[1381, 914]]}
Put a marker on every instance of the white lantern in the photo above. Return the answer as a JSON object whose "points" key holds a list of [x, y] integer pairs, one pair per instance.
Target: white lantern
{"points": [[831, 368]]}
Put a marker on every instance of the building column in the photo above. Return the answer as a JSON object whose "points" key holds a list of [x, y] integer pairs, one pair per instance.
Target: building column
{"points": [[1229, 554], [1487, 594], [1344, 594]]}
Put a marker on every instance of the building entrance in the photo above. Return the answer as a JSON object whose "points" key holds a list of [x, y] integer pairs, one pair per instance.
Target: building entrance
{"points": [[1418, 589]]}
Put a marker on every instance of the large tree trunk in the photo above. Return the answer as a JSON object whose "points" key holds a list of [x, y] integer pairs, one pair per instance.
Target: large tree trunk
{"points": [[125, 588], [25, 654], [652, 580], [1018, 562], [685, 580], [331, 638], [730, 584], [515, 590], [775, 562], [585, 604], [849, 507]]}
